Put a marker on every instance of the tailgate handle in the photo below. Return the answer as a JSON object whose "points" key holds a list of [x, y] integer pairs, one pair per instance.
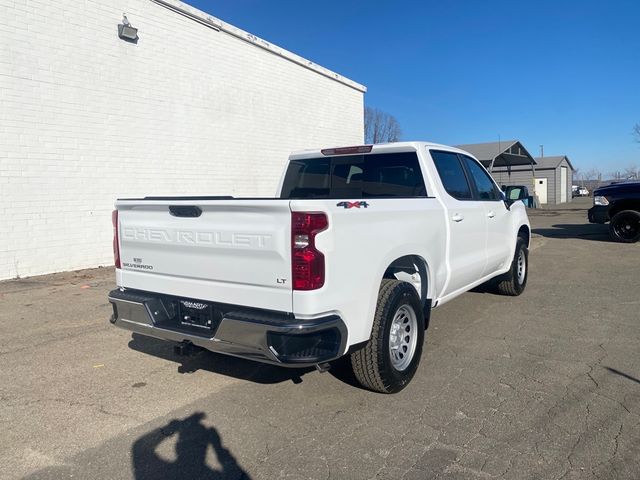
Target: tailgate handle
{"points": [[185, 211]]}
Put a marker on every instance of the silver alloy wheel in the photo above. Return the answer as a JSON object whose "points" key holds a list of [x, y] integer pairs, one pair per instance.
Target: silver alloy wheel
{"points": [[522, 267], [403, 337]]}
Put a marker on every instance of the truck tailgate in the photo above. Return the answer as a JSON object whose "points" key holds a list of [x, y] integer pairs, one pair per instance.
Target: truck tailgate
{"points": [[229, 251]]}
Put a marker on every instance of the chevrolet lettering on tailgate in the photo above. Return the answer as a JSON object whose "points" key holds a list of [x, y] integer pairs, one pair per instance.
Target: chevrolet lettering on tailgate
{"points": [[194, 237]]}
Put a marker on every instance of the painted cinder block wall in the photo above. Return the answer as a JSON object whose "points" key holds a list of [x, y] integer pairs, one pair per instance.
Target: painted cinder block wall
{"points": [[86, 117]]}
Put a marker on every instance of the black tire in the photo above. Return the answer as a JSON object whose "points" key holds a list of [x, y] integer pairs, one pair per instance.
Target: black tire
{"points": [[512, 283], [372, 365], [625, 226]]}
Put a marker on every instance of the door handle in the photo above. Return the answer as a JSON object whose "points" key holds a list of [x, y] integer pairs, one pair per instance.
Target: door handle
{"points": [[491, 214], [457, 218]]}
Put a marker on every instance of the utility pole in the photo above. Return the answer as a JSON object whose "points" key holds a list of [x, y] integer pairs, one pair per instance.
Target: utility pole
{"points": [[493, 160], [541, 151]]}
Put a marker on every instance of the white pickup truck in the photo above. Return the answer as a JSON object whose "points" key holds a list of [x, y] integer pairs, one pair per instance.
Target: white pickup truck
{"points": [[350, 259]]}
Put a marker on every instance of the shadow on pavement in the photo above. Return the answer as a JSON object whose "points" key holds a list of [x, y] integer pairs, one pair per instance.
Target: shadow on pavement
{"points": [[622, 374], [341, 370], [217, 363], [193, 440], [587, 231], [488, 287], [181, 449]]}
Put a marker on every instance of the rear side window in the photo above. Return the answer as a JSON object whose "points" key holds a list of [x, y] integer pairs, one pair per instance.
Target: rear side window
{"points": [[382, 175], [484, 185], [452, 175], [307, 179]]}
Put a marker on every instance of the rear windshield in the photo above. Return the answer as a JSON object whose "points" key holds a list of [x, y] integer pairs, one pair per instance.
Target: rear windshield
{"points": [[381, 175]]}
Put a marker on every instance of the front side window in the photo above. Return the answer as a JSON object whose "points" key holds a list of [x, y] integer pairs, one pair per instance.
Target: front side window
{"points": [[485, 187], [452, 174], [378, 175]]}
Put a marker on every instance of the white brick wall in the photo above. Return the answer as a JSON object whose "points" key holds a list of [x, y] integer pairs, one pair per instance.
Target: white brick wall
{"points": [[86, 117]]}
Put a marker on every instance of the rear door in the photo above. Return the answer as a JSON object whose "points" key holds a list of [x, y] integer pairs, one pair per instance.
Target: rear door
{"points": [[229, 251], [467, 223]]}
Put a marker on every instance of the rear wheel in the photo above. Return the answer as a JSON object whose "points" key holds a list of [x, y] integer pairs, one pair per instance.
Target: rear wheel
{"points": [[391, 356], [625, 226], [514, 281]]}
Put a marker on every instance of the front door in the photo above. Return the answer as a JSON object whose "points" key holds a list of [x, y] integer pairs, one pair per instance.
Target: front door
{"points": [[499, 254], [467, 224]]}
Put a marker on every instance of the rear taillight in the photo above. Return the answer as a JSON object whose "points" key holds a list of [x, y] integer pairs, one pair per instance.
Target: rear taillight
{"points": [[307, 263], [116, 246]]}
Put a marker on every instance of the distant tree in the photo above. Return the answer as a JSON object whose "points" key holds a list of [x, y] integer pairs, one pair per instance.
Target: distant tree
{"points": [[615, 175], [380, 127], [631, 172], [593, 178]]}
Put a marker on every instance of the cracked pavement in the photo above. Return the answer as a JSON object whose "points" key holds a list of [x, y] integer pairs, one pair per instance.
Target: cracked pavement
{"points": [[545, 385]]}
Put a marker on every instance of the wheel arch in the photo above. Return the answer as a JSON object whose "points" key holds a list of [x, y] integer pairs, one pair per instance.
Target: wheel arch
{"points": [[406, 268], [619, 206], [525, 233]]}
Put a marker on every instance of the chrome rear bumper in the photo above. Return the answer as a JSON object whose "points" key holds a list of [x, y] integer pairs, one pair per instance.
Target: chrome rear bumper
{"points": [[272, 337]]}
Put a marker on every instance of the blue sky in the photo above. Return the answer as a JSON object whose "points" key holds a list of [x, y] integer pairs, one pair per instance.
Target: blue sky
{"points": [[565, 74]]}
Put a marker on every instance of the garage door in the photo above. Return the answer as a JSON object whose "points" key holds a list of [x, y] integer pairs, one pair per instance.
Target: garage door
{"points": [[563, 184]]}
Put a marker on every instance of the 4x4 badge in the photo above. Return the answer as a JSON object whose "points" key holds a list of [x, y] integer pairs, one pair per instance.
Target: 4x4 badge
{"points": [[352, 204]]}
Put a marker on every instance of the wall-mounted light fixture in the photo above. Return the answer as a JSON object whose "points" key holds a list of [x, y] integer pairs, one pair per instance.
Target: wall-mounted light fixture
{"points": [[126, 31]]}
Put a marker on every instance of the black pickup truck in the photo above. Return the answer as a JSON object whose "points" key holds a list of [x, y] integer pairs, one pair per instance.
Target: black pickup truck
{"points": [[618, 204]]}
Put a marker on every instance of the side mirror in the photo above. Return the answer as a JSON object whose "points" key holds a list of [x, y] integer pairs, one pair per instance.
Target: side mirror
{"points": [[507, 202]]}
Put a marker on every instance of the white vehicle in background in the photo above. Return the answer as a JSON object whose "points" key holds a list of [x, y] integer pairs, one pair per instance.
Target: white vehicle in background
{"points": [[579, 191], [350, 259]]}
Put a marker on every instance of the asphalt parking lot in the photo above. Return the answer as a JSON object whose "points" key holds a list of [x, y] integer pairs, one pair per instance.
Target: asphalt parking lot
{"points": [[541, 386]]}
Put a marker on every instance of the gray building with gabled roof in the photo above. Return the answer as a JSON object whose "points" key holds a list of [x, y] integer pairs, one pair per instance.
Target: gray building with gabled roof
{"points": [[549, 178], [506, 153], [554, 177], [507, 161]]}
